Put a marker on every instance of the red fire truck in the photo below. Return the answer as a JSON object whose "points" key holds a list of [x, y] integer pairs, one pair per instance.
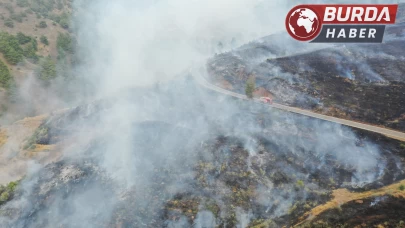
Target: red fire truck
{"points": [[267, 100]]}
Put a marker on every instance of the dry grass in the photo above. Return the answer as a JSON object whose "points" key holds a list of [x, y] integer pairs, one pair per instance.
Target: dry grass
{"points": [[342, 196], [31, 122], [38, 149], [3, 137]]}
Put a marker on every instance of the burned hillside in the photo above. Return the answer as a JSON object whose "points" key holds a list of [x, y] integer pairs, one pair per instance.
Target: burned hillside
{"points": [[363, 82], [243, 168]]}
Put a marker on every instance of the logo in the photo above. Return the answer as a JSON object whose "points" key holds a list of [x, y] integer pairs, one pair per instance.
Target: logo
{"points": [[303, 24], [340, 23]]}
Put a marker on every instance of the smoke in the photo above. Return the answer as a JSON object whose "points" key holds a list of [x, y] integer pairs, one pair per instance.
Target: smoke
{"points": [[135, 55], [162, 38]]}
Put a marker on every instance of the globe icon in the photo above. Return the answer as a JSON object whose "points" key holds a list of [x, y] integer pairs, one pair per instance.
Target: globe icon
{"points": [[303, 23]]}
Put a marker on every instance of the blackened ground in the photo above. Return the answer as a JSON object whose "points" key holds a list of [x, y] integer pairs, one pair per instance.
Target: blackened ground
{"points": [[363, 83], [277, 173]]}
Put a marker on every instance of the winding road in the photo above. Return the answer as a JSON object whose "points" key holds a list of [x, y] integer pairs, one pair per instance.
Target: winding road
{"points": [[384, 131]]}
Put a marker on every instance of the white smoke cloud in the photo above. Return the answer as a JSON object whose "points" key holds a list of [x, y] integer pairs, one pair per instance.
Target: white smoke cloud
{"points": [[134, 44]]}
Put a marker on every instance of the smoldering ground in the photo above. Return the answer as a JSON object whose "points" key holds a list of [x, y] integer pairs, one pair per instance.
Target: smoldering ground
{"points": [[177, 161], [158, 150]]}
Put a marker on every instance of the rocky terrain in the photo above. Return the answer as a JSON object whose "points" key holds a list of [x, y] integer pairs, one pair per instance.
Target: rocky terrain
{"points": [[358, 82]]}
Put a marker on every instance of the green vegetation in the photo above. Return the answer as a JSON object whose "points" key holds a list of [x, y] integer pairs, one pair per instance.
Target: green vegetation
{"points": [[402, 187], [9, 23], [30, 51], [23, 39], [23, 3], [42, 7], [47, 69], [17, 17], [300, 183], [250, 88], [11, 49], [7, 192], [16, 47], [5, 76], [402, 146], [63, 20], [261, 223], [40, 135], [43, 24], [4, 196], [64, 45], [64, 42], [9, 7], [44, 40]]}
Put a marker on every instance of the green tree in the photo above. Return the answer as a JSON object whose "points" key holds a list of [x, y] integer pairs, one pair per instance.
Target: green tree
{"points": [[5, 196], [47, 69], [23, 39], [44, 40], [13, 56], [64, 21], [30, 51], [17, 17], [12, 186], [23, 3], [64, 44], [43, 24], [10, 48], [9, 23], [250, 88], [5, 76], [9, 7]]}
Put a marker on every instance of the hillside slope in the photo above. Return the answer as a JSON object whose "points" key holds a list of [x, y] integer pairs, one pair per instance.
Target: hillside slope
{"points": [[361, 82]]}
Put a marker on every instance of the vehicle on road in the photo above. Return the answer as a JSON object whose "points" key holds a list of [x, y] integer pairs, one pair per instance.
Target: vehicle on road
{"points": [[267, 100]]}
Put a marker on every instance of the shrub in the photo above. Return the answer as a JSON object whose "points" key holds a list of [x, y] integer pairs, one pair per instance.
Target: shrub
{"points": [[300, 183], [250, 88], [54, 17], [44, 40], [59, 5], [23, 39], [17, 17], [47, 69], [7, 193], [64, 43], [9, 7], [30, 51], [10, 48], [42, 7], [23, 3], [9, 23], [402, 187], [43, 24], [64, 23], [28, 11], [5, 196], [402, 146], [5, 76], [12, 186]]}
